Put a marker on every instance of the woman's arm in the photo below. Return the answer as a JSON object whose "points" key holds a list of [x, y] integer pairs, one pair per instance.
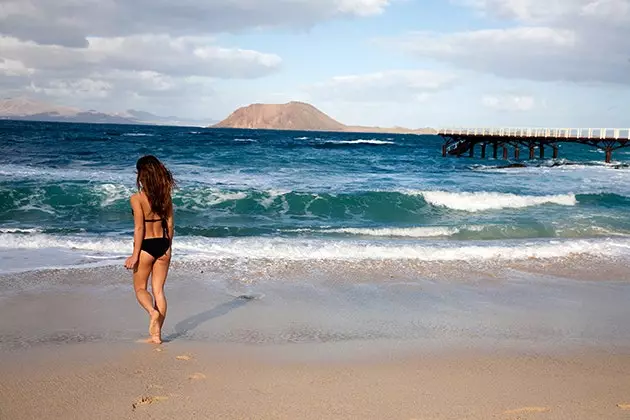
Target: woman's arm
{"points": [[138, 231], [171, 223]]}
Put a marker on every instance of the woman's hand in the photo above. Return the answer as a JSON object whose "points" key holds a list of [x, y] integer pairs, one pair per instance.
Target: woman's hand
{"points": [[131, 262]]}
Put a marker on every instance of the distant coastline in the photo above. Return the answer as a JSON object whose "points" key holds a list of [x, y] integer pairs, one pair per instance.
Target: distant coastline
{"points": [[291, 116], [26, 109]]}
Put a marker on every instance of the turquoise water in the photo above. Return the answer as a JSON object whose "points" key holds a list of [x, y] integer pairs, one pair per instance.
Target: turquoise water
{"points": [[64, 191]]}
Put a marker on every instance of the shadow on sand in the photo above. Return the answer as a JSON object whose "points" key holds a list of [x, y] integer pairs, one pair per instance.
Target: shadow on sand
{"points": [[189, 324]]}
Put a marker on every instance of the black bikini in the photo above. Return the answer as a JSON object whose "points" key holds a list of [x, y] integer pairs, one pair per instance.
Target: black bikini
{"points": [[157, 247]]}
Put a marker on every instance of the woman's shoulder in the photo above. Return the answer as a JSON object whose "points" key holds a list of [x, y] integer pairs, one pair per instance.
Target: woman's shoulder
{"points": [[138, 198]]}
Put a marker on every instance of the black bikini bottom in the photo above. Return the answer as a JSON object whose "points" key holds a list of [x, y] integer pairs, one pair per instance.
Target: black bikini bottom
{"points": [[156, 247]]}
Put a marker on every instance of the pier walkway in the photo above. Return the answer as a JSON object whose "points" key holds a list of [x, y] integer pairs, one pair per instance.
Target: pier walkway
{"points": [[462, 141]]}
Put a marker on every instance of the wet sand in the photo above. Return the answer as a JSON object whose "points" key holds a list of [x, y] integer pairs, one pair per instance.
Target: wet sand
{"points": [[533, 340]]}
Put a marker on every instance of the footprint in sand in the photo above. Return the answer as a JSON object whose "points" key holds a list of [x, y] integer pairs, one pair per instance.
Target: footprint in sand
{"points": [[623, 406], [146, 401], [525, 410], [197, 376], [184, 357]]}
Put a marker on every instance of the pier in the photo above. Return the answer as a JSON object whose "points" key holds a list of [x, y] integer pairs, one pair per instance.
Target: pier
{"points": [[533, 141]]}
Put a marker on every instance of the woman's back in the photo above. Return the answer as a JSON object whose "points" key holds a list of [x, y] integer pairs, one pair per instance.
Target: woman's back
{"points": [[154, 224]]}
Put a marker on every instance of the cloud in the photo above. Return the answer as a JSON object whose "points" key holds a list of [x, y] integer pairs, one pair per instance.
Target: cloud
{"points": [[10, 68], [116, 51], [508, 102], [557, 12], [561, 40], [183, 56], [70, 22], [124, 68], [386, 86]]}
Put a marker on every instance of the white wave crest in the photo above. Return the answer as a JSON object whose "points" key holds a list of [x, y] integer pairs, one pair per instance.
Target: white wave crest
{"points": [[76, 243], [361, 141], [19, 230], [200, 198], [138, 134], [301, 138], [413, 232], [112, 193], [200, 248], [480, 201], [12, 171]]}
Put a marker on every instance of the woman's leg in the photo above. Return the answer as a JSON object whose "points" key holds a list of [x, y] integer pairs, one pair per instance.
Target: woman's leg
{"points": [[158, 279], [140, 280]]}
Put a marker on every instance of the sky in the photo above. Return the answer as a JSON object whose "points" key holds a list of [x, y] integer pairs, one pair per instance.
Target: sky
{"points": [[411, 63]]}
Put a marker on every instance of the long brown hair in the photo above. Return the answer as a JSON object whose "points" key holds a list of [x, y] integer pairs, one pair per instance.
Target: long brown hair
{"points": [[157, 183]]}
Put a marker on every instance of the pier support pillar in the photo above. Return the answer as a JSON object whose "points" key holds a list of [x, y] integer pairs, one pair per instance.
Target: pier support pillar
{"points": [[555, 152], [517, 153], [483, 150], [505, 152], [495, 150], [444, 150], [471, 152], [608, 154], [541, 146], [532, 152]]}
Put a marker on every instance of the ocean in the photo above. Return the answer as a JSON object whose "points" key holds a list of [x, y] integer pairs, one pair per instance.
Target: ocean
{"points": [[307, 237], [300, 196]]}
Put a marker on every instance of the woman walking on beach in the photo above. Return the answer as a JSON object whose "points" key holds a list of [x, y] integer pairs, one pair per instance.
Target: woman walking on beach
{"points": [[152, 209]]}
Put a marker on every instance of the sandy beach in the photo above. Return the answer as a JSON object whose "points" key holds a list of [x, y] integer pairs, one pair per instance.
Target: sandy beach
{"points": [[186, 380], [353, 346]]}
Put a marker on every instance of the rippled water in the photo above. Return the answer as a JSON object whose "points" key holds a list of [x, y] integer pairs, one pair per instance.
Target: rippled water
{"points": [[64, 191]]}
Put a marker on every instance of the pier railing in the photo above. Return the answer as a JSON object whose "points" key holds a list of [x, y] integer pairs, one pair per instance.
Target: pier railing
{"points": [[458, 141], [569, 133]]}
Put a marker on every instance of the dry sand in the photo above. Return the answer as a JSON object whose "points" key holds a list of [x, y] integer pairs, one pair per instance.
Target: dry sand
{"points": [[181, 380]]}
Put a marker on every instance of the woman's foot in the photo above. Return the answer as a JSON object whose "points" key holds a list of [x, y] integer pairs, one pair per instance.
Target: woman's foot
{"points": [[156, 339], [154, 327]]}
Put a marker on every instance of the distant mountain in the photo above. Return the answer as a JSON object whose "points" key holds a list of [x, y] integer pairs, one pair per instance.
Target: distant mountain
{"points": [[290, 116], [31, 110], [298, 116], [150, 118], [22, 107]]}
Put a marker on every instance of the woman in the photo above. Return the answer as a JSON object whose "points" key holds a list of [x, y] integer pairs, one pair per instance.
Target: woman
{"points": [[152, 209]]}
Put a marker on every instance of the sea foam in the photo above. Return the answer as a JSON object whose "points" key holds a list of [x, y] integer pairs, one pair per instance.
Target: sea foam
{"points": [[480, 201], [200, 248]]}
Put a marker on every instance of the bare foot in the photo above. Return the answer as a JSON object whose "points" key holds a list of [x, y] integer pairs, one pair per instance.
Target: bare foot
{"points": [[154, 327]]}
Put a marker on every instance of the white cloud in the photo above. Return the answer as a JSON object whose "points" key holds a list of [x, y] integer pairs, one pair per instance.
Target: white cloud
{"points": [[70, 22], [556, 12], [89, 88], [553, 40], [117, 69], [160, 53], [509, 102], [386, 86], [362, 7], [117, 51], [10, 67]]}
